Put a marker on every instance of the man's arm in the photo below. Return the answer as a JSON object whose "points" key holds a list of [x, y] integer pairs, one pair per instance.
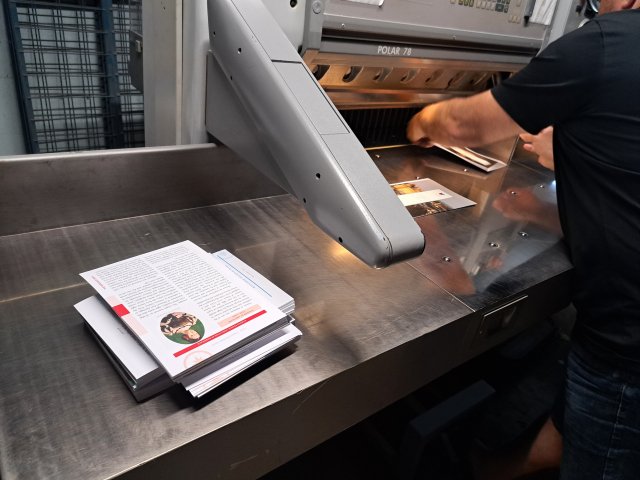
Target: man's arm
{"points": [[462, 122]]}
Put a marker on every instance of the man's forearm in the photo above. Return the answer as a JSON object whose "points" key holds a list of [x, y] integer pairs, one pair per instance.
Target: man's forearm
{"points": [[462, 122]]}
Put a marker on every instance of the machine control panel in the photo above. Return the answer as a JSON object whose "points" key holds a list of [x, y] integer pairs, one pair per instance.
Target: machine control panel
{"points": [[501, 6], [498, 23], [513, 12]]}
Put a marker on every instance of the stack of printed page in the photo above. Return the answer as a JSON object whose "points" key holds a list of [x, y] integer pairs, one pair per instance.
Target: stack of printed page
{"points": [[182, 315]]}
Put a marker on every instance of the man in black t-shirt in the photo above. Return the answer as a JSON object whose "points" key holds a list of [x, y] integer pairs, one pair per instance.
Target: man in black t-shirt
{"points": [[586, 85]]}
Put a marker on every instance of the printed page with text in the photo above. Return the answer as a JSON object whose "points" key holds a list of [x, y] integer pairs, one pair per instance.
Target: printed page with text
{"points": [[184, 306]]}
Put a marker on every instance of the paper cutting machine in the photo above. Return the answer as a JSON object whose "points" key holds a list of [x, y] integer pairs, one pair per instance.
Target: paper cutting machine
{"points": [[303, 116]]}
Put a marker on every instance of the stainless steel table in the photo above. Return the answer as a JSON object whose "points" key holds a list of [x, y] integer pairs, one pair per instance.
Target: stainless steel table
{"points": [[370, 336]]}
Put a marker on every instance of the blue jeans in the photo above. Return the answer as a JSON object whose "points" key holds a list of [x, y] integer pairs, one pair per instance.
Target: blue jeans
{"points": [[601, 426]]}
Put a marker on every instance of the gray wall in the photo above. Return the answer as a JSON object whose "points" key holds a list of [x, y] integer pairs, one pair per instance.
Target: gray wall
{"points": [[11, 136]]}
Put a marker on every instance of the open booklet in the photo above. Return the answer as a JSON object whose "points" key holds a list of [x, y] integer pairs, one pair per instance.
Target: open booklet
{"points": [[425, 197], [488, 157], [188, 308]]}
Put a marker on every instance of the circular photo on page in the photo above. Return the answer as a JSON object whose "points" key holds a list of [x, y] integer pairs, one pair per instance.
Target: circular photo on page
{"points": [[182, 327]]}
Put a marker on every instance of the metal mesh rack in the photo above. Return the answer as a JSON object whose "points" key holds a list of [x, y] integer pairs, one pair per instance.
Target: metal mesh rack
{"points": [[70, 59], [128, 16]]}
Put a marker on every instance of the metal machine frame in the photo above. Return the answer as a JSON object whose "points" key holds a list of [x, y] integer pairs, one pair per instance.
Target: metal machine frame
{"points": [[265, 104]]}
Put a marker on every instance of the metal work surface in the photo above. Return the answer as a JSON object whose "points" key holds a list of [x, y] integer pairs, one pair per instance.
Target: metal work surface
{"points": [[370, 336], [53, 190], [481, 254]]}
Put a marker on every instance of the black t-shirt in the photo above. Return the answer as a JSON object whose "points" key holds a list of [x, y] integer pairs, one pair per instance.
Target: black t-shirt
{"points": [[587, 85]]}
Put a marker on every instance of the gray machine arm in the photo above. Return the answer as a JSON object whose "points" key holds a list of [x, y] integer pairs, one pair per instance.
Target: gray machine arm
{"points": [[264, 103]]}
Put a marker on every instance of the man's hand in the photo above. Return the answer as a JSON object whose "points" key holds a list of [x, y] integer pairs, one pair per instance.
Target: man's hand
{"points": [[415, 130], [542, 145]]}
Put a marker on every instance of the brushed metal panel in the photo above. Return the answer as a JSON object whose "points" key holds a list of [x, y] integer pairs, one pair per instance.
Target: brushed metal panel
{"points": [[491, 251], [65, 414], [52, 190]]}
